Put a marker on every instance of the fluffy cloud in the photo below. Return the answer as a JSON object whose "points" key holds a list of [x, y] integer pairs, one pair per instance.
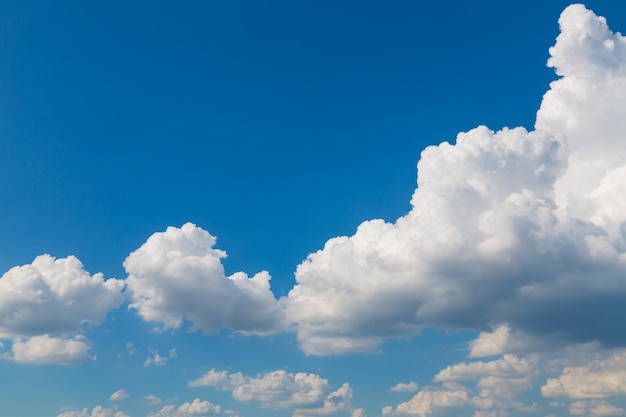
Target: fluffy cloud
{"points": [[43, 303], [402, 387], [178, 275], [98, 411], [54, 296], [51, 350], [120, 394], [309, 394], [519, 231], [451, 395], [196, 408], [597, 380]]}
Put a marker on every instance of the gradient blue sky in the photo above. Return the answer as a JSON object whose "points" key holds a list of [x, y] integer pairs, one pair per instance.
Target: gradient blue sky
{"points": [[275, 126]]}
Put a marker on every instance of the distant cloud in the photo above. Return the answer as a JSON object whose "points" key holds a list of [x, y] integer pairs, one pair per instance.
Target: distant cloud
{"points": [[118, 395], [309, 394], [427, 401], [520, 232], [404, 387], [152, 400], [158, 360], [97, 411], [177, 274], [196, 408]]}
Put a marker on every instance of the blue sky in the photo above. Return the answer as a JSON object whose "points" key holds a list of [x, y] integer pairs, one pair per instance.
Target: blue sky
{"points": [[134, 135]]}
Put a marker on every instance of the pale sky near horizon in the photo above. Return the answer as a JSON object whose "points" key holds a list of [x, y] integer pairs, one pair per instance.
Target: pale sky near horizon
{"points": [[312, 209]]}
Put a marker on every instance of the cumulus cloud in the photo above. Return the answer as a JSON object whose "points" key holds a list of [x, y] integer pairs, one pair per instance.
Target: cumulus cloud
{"points": [[450, 395], [43, 303], [120, 394], [309, 394], [521, 232], [97, 411], [196, 408], [177, 275], [402, 387], [598, 379], [51, 350], [54, 296]]}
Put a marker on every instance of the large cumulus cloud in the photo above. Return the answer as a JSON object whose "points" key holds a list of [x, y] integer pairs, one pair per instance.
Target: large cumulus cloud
{"points": [[511, 229], [178, 275], [43, 305]]}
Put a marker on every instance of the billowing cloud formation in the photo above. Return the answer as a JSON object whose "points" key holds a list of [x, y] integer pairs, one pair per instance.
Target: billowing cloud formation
{"points": [[597, 380], [177, 275], [499, 383], [54, 296], [519, 231], [43, 303], [309, 394]]}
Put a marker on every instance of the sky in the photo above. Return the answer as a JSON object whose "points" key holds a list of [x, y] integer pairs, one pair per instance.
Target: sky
{"points": [[300, 209]]}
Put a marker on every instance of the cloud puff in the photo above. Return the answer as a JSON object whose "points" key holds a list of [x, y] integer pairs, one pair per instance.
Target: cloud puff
{"points": [[54, 296], [596, 380], [451, 395], [177, 275], [51, 350], [498, 381], [155, 359], [196, 408], [402, 387], [98, 411], [120, 394], [516, 230], [43, 303], [308, 394]]}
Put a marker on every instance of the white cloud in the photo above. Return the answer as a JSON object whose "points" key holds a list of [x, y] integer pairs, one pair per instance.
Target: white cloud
{"points": [[51, 350], [339, 401], [196, 408], [54, 296], [120, 394], [309, 394], [177, 275], [155, 359], [595, 408], [522, 232], [425, 402], [220, 379], [402, 387], [508, 366], [152, 400], [596, 380], [97, 411], [42, 304]]}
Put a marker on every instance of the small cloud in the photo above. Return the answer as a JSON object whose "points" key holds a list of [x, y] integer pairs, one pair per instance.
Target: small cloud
{"points": [[155, 359], [402, 387], [152, 400], [120, 394], [130, 348]]}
